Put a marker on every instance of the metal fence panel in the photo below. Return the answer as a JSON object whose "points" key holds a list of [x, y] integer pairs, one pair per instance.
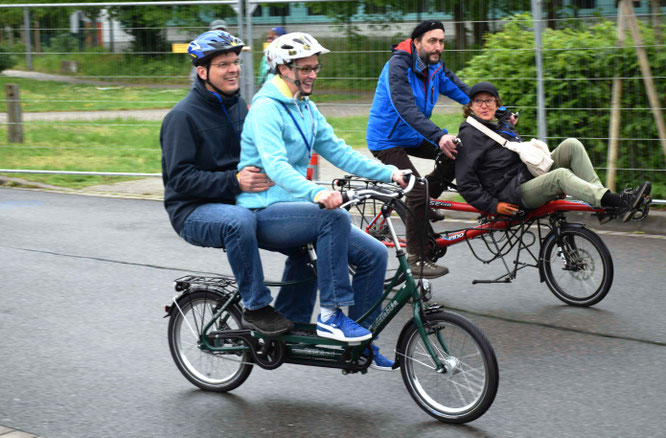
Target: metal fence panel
{"points": [[96, 47]]}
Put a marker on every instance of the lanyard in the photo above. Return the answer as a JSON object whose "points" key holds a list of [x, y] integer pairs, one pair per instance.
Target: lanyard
{"points": [[307, 144], [226, 113]]}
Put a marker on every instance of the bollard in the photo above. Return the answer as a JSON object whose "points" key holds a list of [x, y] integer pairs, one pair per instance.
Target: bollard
{"points": [[313, 171], [14, 118]]}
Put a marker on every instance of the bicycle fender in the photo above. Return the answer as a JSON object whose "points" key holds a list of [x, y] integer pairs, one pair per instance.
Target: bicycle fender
{"points": [[169, 308], [544, 243]]}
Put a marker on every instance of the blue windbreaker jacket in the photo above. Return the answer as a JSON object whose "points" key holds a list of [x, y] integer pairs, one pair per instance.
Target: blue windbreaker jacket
{"points": [[406, 94]]}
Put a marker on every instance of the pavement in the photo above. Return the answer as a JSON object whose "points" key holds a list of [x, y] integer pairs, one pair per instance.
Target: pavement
{"points": [[152, 189]]}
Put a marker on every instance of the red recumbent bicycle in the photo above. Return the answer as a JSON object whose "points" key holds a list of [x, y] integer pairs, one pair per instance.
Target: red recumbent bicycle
{"points": [[572, 260]]}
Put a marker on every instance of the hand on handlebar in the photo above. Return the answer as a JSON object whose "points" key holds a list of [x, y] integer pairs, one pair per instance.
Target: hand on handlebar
{"points": [[329, 199], [507, 209], [448, 145], [399, 177]]}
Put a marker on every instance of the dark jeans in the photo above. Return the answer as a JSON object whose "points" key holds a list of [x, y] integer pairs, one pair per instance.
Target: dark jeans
{"points": [[443, 173]]}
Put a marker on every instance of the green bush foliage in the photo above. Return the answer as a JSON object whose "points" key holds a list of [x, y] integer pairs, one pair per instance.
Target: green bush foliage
{"points": [[6, 59], [579, 65]]}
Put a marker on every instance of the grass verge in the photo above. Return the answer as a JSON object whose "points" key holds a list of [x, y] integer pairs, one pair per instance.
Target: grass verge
{"points": [[119, 145]]}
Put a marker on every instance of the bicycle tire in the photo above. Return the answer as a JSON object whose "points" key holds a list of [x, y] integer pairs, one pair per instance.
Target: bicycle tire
{"points": [[207, 370], [468, 388], [583, 276]]}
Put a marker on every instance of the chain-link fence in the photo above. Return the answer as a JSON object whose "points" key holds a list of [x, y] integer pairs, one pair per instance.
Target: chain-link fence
{"points": [[571, 72]]}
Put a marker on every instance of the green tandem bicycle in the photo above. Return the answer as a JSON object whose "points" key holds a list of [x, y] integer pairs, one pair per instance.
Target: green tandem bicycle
{"points": [[447, 363]]}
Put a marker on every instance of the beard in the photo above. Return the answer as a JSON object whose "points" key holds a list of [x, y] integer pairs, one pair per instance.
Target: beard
{"points": [[427, 57]]}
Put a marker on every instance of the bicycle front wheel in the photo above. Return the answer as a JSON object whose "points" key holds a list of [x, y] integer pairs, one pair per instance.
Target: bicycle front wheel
{"points": [[468, 387], [578, 268], [209, 370]]}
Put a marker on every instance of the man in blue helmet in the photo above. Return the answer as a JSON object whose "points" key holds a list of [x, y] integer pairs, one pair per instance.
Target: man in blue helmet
{"points": [[200, 139]]}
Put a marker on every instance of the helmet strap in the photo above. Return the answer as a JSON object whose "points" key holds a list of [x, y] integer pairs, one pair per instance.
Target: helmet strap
{"points": [[296, 82], [217, 90]]}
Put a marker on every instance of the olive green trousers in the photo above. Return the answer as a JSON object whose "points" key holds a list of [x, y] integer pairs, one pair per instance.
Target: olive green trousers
{"points": [[572, 174]]}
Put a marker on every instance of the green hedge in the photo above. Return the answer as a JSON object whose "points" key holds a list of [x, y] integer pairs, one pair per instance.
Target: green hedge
{"points": [[579, 64]]}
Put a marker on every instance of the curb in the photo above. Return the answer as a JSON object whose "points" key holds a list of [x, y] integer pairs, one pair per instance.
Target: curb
{"points": [[655, 223]]}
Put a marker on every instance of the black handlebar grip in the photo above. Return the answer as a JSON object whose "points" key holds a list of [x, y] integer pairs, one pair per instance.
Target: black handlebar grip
{"points": [[345, 198]]}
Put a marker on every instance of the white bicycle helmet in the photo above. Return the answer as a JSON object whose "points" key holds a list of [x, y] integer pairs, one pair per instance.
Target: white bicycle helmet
{"points": [[291, 46]]}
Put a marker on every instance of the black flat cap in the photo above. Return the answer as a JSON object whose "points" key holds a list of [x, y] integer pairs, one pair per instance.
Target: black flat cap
{"points": [[426, 26], [482, 87]]}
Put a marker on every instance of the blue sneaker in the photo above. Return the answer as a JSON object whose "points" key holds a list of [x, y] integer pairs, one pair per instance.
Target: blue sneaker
{"points": [[342, 328], [379, 362]]}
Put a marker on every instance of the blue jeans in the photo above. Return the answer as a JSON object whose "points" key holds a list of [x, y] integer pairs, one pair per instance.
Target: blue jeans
{"points": [[289, 224], [235, 228]]}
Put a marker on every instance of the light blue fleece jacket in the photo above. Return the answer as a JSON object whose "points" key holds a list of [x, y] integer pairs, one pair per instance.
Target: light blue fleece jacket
{"points": [[272, 142]]}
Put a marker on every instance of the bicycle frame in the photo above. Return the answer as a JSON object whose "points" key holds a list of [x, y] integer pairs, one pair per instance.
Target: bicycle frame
{"points": [[302, 345], [514, 231]]}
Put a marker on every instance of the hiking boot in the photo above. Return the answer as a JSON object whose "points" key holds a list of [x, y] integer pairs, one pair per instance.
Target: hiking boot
{"points": [[341, 328], [424, 268], [631, 200], [436, 215], [267, 321], [379, 361]]}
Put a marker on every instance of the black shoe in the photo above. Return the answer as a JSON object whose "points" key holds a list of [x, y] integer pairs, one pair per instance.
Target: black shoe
{"points": [[607, 216], [267, 321], [425, 268], [631, 200], [436, 215]]}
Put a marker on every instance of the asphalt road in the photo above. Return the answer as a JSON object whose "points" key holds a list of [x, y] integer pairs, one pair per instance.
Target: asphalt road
{"points": [[83, 347]]}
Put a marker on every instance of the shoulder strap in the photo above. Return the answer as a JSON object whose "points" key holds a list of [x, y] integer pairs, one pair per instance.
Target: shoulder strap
{"points": [[483, 128]]}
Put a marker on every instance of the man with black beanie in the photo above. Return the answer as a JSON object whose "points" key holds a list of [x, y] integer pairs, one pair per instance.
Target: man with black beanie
{"points": [[399, 125]]}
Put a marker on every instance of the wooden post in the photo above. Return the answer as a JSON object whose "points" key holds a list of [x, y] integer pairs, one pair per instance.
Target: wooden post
{"points": [[15, 127], [616, 103], [646, 71]]}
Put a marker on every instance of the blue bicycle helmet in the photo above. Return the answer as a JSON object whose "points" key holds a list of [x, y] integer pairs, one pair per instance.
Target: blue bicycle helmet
{"points": [[211, 43]]}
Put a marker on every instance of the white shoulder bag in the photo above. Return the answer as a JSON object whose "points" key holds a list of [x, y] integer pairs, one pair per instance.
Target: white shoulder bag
{"points": [[534, 154]]}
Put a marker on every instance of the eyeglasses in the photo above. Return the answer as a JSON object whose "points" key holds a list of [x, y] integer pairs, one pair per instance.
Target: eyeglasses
{"points": [[225, 65], [482, 101], [307, 69]]}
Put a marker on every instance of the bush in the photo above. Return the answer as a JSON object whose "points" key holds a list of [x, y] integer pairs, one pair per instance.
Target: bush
{"points": [[579, 65], [6, 60]]}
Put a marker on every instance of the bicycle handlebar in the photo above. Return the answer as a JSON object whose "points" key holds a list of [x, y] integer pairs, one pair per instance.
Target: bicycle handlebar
{"points": [[352, 197]]}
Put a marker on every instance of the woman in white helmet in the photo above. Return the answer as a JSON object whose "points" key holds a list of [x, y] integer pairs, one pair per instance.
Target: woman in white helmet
{"points": [[282, 130]]}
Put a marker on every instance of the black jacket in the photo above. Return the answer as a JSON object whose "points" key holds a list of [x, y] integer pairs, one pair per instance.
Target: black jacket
{"points": [[487, 173], [200, 151]]}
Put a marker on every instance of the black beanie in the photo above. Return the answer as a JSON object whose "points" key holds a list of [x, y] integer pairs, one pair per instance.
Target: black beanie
{"points": [[426, 26]]}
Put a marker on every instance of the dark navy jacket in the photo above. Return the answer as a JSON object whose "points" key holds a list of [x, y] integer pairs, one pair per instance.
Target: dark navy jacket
{"points": [[200, 150], [486, 172], [406, 94]]}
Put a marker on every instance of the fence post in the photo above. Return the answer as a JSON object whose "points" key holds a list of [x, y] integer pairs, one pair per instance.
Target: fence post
{"points": [[14, 118], [537, 17], [28, 45], [616, 103]]}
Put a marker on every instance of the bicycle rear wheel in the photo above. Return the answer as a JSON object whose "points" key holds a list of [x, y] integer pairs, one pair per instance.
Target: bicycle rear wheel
{"points": [[578, 267], [209, 370], [468, 387]]}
